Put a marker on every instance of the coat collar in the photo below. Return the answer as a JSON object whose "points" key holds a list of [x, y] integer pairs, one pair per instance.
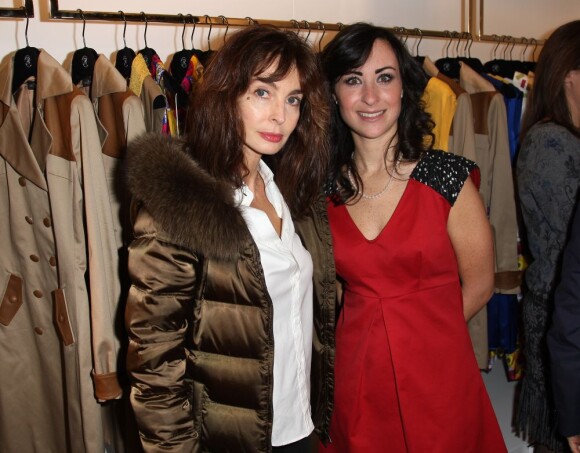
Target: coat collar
{"points": [[106, 79], [194, 209], [52, 80], [473, 82]]}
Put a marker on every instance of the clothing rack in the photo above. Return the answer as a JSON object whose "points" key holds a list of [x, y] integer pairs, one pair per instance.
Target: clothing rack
{"points": [[24, 11], [57, 13], [476, 28]]}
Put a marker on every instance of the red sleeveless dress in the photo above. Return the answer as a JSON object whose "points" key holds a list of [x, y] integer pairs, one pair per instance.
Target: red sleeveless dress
{"points": [[406, 378]]}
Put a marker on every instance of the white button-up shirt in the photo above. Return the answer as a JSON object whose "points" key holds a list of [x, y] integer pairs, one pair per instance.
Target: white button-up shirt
{"points": [[288, 271]]}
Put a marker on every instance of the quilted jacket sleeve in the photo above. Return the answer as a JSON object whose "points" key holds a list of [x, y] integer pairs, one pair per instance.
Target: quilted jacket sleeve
{"points": [[158, 317]]}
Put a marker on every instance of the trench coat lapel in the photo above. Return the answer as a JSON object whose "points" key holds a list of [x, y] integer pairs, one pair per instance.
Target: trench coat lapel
{"points": [[52, 80], [106, 79]]}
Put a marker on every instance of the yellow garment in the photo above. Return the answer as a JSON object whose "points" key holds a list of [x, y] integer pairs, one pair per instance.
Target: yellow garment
{"points": [[139, 71], [172, 122], [440, 102], [197, 68]]}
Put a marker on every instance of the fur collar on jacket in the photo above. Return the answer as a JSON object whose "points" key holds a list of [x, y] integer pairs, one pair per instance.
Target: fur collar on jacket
{"points": [[189, 205]]}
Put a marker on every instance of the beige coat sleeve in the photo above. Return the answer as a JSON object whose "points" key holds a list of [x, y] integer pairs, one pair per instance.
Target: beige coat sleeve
{"points": [[133, 125], [103, 260], [502, 204], [462, 139]]}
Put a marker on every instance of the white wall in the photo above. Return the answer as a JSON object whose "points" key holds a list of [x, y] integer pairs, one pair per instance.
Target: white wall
{"points": [[528, 18]]}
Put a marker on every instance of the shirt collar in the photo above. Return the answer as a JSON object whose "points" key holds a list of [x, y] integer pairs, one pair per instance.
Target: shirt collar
{"points": [[243, 196]]}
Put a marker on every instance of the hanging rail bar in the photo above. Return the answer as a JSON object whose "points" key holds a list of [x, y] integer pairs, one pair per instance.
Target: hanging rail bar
{"points": [[57, 13], [419, 32], [476, 29], [24, 11]]}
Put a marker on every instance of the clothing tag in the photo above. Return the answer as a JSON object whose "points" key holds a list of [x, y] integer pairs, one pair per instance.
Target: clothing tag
{"points": [[520, 80]]}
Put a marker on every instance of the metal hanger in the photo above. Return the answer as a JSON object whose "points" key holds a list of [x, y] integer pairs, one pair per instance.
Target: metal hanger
{"points": [[125, 56], [26, 27], [124, 27], [296, 25], [418, 30], [226, 23], [307, 24], [146, 52], [25, 61], [193, 30], [323, 28], [145, 31], [83, 60], [208, 20]]}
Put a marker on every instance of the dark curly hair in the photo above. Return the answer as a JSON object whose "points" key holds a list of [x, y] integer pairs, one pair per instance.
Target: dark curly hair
{"points": [[349, 50], [215, 128]]}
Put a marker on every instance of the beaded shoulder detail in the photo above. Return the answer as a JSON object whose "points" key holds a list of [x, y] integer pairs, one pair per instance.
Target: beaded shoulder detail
{"points": [[444, 172]]}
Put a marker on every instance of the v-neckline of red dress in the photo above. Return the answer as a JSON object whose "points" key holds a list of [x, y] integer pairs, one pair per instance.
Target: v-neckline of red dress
{"points": [[393, 216]]}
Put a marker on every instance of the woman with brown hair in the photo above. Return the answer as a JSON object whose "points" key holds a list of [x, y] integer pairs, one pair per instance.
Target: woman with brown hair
{"points": [[231, 311], [548, 176]]}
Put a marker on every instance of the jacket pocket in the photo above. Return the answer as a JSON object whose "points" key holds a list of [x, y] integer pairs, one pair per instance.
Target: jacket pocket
{"points": [[11, 300], [61, 318]]}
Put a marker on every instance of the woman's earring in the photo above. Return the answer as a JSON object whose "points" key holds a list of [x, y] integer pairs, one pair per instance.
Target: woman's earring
{"points": [[401, 95], [335, 100]]}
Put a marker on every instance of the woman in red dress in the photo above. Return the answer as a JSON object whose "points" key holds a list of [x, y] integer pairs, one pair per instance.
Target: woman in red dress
{"points": [[414, 254]]}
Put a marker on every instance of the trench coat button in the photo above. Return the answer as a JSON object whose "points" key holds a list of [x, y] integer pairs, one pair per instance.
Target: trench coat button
{"points": [[195, 435], [61, 318], [13, 299], [47, 223], [52, 261], [34, 258], [22, 181], [38, 330], [37, 293], [29, 220]]}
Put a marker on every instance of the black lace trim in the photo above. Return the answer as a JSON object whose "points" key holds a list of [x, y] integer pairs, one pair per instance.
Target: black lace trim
{"points": [[444, 172]]}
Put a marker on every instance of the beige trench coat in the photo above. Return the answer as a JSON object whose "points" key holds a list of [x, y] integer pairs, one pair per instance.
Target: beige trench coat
{"points": [[497, 192], [497, 184], [55, 223], [120, 120]]}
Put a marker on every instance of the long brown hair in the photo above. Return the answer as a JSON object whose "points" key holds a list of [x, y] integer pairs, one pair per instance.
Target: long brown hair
{"points": [[559, 56], [216, 131]]}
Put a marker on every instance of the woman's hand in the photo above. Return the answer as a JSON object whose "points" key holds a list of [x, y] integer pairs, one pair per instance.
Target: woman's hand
{"points": [[574, 442]]}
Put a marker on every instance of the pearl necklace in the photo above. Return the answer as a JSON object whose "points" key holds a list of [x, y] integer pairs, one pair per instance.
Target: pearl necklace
{"points": [[369, 197]]}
